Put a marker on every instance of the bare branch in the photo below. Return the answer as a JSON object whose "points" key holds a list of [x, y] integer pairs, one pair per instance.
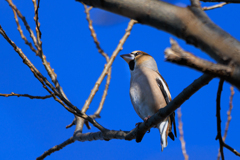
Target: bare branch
{"points": [[229, 113], [180, 127], [219, 134], [108, 135], [177, 55], [93, 33], [108, 65], [158, 117], [25, 95], [97, 113], [36, 7], [56, 148], [231, 149], [214, 6], [229, 118], [71, 108], [19, 28], [14, 8]]}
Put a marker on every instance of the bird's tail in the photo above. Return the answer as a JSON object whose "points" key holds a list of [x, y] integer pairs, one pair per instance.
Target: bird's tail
{"points": [[163, 129]]}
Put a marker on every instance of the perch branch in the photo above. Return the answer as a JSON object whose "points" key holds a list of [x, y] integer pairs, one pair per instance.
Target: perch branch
{"points": [[158, 117], [180, 127], [25, 95]]}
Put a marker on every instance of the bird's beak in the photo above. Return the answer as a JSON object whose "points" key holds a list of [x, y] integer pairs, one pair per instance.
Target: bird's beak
{"points": [[127, 57]]}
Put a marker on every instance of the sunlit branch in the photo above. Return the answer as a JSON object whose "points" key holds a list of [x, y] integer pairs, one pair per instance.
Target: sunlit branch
{"points": [[19, 27], [70, 107], [214, 6], [108, 65], [180, 127], [177, 55], [14, 8]]}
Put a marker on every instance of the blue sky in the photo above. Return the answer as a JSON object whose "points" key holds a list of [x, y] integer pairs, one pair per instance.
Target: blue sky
{"points": [[30, 127]]}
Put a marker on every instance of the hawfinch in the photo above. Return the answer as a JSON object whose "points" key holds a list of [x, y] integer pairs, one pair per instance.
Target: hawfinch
{"points": [[149, 92]]}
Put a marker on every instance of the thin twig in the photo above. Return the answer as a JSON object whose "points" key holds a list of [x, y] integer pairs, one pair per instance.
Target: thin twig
{"points": [[180, 127], [214, 6], [93, 33], [24, 22], [20, 29], [56, 148], [229, 117], [70, 107], [108, 65], [218, 108], [36, 7], [25, 95]]}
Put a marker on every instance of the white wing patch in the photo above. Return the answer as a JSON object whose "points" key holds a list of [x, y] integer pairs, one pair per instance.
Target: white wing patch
{"points": [[165, 87]]}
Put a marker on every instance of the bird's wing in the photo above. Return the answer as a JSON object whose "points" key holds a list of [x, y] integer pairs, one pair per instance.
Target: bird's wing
{"points": [[166, 93]]}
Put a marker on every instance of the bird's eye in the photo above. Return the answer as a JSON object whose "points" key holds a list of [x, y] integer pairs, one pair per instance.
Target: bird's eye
{"points": [[137, 53]]}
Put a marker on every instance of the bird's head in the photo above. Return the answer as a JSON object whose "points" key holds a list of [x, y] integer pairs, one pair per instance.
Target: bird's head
{"points": [[138, 59]]}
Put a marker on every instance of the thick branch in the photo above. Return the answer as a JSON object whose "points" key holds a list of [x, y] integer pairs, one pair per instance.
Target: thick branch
{"points": [[190, 24], [169, 109], [177, 55]]}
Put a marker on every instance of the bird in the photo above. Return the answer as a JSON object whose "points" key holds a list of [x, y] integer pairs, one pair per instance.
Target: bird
{"points": [[149, 92]]}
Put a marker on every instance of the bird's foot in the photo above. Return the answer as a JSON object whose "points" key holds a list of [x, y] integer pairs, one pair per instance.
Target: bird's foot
{"points": [[146, 118]]}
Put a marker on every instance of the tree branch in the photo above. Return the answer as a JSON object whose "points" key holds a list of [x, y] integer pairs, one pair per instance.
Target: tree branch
{"points": [[177, 55], [219, 134], [16, 11], [108, 65], [228, 119], [214, 6], [70, 107], [25, 95], [180, 127], [190, 24], [56, 148]]}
